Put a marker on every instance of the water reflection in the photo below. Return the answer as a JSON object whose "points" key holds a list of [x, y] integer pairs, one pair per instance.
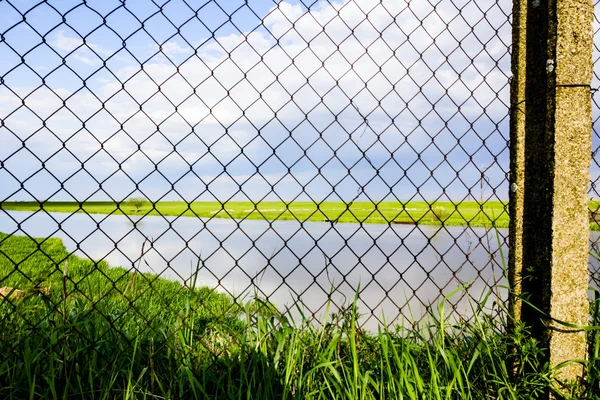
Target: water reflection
{"points": [[400, 268]]}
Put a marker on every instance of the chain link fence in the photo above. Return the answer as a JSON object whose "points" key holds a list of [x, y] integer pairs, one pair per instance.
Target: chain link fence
{"points": [[269, 111], [594, 171], [291, 151]]}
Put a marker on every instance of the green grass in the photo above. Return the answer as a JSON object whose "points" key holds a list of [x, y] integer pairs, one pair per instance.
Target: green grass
{"points": [[466, 213], [420, 212], [79, 329]]}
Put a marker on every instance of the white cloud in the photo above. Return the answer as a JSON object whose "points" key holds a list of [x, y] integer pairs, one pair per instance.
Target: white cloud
{"points": [[64, 42], [87, 60], [173, 49], [273, 79], [67, 44]]}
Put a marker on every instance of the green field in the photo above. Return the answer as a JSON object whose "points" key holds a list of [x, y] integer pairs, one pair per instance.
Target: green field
{"points": [[466, 213], [76, 329], [423, 213]]}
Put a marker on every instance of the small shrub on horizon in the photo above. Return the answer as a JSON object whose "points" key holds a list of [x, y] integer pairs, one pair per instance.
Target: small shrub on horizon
{"points": [[137, 202], [439, 213]]}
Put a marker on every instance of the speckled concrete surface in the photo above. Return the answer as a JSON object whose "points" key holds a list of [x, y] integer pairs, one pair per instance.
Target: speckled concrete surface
{"points": [[550, 158], [573, 127], [517, 154]]}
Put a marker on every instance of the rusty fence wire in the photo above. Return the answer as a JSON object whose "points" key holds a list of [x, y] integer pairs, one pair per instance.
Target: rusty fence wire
{"points": [[384, 122]]}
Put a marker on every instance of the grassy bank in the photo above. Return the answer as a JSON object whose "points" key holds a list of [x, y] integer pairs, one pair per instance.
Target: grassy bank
{"points": [[72, 328], [467, 213]]}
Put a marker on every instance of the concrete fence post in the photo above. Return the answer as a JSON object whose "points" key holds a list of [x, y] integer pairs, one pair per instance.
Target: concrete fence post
{"points": [[517, 155], [550, 158]]}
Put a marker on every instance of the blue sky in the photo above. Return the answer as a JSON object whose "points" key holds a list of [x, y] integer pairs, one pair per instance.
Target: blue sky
{"points": [[253, 108]]}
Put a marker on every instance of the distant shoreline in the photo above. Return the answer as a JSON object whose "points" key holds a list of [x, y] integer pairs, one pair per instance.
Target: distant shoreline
{"points": [[468, 213]]}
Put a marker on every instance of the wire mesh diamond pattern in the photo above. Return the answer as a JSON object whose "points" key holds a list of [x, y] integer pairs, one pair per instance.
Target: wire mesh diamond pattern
{"points": [[314, 149]]}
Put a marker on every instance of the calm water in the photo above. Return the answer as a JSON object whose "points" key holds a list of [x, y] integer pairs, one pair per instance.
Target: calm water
{"points": [[400, 268]]}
